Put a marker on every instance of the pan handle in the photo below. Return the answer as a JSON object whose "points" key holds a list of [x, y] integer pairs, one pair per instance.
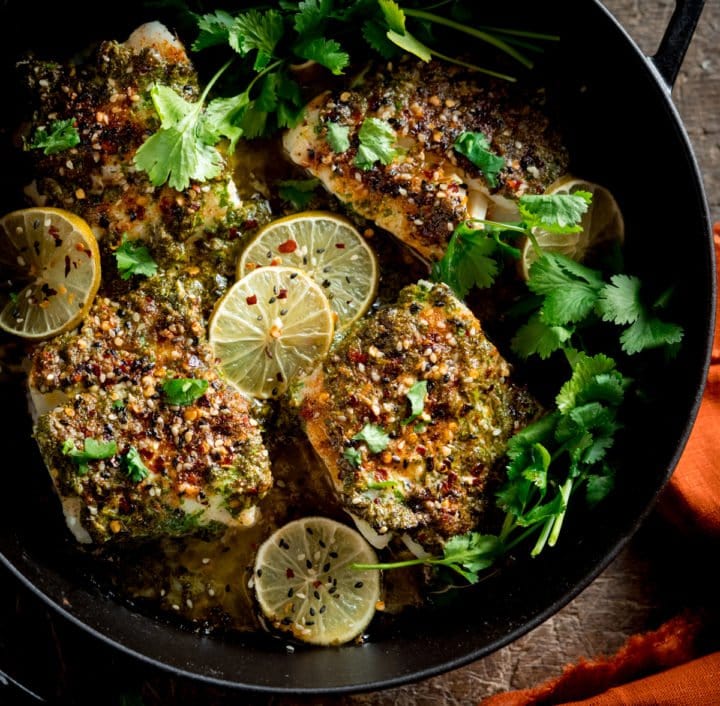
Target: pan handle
{"points": [[676, 40]]}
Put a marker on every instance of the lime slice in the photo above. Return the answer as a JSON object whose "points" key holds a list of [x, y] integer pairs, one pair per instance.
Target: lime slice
{"points": [[51, 271], [273, 326], [329, 249], [602, 224], [305, 584]]}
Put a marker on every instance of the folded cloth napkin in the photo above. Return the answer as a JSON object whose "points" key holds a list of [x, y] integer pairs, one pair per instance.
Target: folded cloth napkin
{"points": [[659, 667]]}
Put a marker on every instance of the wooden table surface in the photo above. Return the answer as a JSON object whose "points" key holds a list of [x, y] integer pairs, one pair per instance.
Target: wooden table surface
{"points": [[653, 578]]}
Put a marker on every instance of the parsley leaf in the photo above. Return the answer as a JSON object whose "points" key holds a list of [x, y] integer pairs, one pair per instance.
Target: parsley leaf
{"points": [[134, 467], [476, 147], [555, 213], [134, 259], [93, 450], [417, 394], [374, 436], [183, 391], [338, 137], [299, 192], [61, 136], [377, 144]]}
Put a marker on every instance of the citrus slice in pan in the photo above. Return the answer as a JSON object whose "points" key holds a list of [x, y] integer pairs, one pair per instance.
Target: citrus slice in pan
{"points": [[329, 249], [305, 583], [602, 224], [273, 326], [52, 265]]}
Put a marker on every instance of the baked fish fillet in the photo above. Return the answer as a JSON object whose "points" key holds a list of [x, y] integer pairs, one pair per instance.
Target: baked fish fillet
{"points": [[422, 195], [206, 465], [430, 476]]}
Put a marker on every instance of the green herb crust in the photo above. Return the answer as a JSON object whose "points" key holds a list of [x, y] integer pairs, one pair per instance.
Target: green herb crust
{"points": [[432, 476]]}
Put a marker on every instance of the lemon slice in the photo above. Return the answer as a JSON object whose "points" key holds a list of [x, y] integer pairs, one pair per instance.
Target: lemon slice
{"points": [[52, 263], [305, 584], [272, 326], [329, 249], [602, 224]]}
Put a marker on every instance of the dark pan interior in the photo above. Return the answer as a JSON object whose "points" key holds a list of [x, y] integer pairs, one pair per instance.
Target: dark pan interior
{"points": [[623, 132]]}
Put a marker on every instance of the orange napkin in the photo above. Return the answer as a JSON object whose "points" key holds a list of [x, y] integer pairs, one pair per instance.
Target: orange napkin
{"points": [[663, 663]]}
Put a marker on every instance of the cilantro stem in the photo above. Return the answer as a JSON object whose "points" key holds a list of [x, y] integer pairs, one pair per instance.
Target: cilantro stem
{"points": [[565, 491], [474, 67], [479, 34], [519, 33], [213, 81], [542, 539], [496, 224]]}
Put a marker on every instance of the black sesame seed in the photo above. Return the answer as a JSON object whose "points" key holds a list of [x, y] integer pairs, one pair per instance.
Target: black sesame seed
{"points": [[283, 312], [323, 608], [309, 530], [326, 568], [291, 592], [359, 584], [309, 622], [332, 590], [272, 300], [321, 543], [320, 251], [334, 555], [308, 563], [317, 595], [286, 621], [312, 612], [258, 573]]}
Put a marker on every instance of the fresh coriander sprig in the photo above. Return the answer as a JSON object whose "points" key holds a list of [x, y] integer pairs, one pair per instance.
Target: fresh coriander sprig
{"points": [[267, 43], [465, 554]]}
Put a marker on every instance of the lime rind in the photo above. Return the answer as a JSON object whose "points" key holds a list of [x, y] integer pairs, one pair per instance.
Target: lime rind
{"points": [[273, 326], [329, 249]]}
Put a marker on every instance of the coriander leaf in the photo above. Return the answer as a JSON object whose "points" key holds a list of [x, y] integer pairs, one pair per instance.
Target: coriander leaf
{"points": [[175, 154], [416, 395], [410, 44], [377, 144], [299, 192], [183, 391], [290, 106], [214, 29], [394, 16], [468, 554], [134, 467], [327, 52], [536, 470], [222, 118], [468, 261], [338, 137], [619, 301], [353, 457], [599, 485], [539, 338], [311, 16], [581, 386], [476, 147], [255, 30], [555, 213], [649, 332], [134, 259], [376, 36], [542, 512], [61, 136], [93, 450], [374, 436], [570, 289]]}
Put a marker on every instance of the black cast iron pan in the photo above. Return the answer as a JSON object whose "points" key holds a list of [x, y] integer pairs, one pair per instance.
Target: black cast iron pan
{"points": [[623, 132]]}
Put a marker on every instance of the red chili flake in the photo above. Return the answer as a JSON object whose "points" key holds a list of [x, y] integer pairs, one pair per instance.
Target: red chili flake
{"points": [[340, 246], [514, 184], [716, 229], [421, 450], [317, 583], [357, 357], [282, 294], [252, 299], [250, 223], [289, 573], [232, 233], [287, 247], [381, 474]]}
